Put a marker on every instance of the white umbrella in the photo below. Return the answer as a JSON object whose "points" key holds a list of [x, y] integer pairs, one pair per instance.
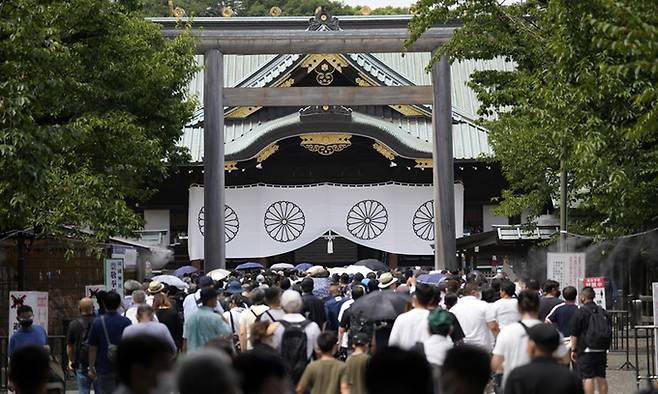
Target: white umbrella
{"points": [[315, 270], [171, 280], [337, 270], [219, 274], [353, 269], [282, 266]]}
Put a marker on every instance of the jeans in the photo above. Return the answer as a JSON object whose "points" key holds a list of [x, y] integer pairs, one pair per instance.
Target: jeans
{"points": [[84, 382], [106, 384]]}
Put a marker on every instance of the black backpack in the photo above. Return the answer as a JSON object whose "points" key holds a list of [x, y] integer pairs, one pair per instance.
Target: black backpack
{"points": [[599, 329], [82, 350], [294, 347], [360, 325]]}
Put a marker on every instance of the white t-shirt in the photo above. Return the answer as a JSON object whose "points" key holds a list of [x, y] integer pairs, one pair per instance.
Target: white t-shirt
{"points": [[248, 318], [505, 311], [409, 328], [343, 308], [436, 347], [312, 331], [233, 319], [131, 313], [473, 315], [190, 305], [512, 345], [150, 328]]}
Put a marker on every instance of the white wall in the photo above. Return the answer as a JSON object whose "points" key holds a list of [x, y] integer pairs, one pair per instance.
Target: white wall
{"points": [[489, 219], [157, 219]]}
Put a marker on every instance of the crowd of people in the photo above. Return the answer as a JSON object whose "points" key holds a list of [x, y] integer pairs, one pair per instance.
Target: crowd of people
{"points": [[283, 331]]}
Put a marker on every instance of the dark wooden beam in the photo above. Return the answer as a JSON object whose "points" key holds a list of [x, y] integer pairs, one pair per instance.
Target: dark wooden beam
{"points": [[341, 95]]}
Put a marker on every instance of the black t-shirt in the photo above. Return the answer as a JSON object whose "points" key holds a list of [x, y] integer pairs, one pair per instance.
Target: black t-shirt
{"points": [[172, 319], [546, 305], [579, 323], [543, 376], [77, 336]]}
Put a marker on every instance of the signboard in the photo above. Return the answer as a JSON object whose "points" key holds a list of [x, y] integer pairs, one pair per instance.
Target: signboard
{"points": [[566, 268], [91, 291], [598, 284], [114, 275], [38, 300]]}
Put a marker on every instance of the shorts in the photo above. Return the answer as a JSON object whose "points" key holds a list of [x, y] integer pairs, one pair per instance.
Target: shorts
{"points": [[592, 365]]}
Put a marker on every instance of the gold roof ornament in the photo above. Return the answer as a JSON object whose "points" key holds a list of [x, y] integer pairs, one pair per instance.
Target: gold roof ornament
{"points": [[365, 10], [267, 152], [423, 163], [227, 12], [275, 11], [325, 144], [230, 166], [384, 150]]}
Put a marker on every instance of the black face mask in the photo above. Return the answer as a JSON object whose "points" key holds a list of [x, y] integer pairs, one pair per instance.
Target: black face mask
{"points": [[25, 322]]}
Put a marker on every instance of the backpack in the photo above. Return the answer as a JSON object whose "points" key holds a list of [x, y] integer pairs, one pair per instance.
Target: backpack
{"points": [[360, 325], [294, 347], [82, 350], [599, 329], [259, 317]]}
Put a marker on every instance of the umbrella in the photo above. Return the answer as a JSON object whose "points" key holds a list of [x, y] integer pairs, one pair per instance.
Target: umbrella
{"points": [[303, 267], [249, 266], [321, 287], [315, 270], [185, 270], [373, 264], [431, 279], [353, 269], [171, 281], [380, 305], [282, 266], [337, 270], [219, 274]]}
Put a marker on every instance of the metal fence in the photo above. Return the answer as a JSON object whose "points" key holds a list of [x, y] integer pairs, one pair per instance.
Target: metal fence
{"points": [[645, 354], [57, 345]]}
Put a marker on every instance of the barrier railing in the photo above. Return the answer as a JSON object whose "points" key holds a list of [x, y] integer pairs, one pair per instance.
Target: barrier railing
{"points": [[621, 327], [645, 354], [57, 345]]}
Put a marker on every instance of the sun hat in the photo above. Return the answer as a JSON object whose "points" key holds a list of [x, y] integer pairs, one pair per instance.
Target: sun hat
{"points": [[386, 280], [155, 287], [205, 281], [234, 287]]}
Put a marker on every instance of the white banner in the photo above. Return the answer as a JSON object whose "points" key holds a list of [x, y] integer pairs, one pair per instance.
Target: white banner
{"points": [[263, 221], [566, 268], [38, 300], [114, 275]]}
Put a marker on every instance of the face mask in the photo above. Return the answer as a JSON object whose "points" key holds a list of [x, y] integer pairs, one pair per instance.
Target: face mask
{"points": [[25, 322]]}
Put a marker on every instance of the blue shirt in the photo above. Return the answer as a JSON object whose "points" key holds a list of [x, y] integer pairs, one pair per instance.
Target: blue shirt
{"points": [[36, 336], [202, 326], [115, 325], [561, 316]]}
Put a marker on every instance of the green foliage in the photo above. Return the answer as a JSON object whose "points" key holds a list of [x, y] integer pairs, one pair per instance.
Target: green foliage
{"points": [[92, 102], [584, 89], [205, 8]]}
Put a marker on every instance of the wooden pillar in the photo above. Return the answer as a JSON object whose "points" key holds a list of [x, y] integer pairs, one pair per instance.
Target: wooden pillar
{"points": [[392, 261], [213, 161], [443, 171]]}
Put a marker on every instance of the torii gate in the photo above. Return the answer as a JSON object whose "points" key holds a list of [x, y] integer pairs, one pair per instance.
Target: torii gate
{"points": [[283, 35]]}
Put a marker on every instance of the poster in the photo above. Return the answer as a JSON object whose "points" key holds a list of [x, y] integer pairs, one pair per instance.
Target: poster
{"points": [[268, 220], [38, 300], [598, 284], [566, 268], [114, 275], [91, 290]]}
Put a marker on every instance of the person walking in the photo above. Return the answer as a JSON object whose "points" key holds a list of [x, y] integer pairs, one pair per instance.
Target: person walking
{"points": [[204, 324], [28, 333], [411, 327], [313, 306], [591, 333], [148, 326], [104, 337], [437, 345], [273, 301], [138, 299], [232, 316], [192, 301], [550, 298], [562, 313], [473, 315], [256, 312], [511, 348], [505, 311], [357, 364], [29, 370], [167, 314], [144, 362], [543, 375], [77, 348], [326, 374]]}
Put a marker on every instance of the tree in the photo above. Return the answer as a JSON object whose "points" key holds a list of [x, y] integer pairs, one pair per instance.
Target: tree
{"points": [[583, 89], [92, 103]]}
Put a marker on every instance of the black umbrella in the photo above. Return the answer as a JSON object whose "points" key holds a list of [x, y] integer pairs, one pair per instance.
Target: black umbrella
{"points": [[373, 264], [380, 305]]}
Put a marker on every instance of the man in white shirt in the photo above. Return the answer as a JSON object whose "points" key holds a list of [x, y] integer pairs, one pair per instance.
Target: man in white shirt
{"points": [[148, 326], [190, 303], [473, 315], [505, 311], [411, 327], [138, 299], [273, 301], [438, 343], [257, 311], [292, 304], [511, 348]]}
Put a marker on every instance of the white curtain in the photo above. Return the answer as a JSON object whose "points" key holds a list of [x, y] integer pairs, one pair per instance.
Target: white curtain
{"points": [[266, 220]]}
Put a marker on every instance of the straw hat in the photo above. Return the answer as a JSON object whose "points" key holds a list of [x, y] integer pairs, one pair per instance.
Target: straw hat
{"points": [[155, 287]]}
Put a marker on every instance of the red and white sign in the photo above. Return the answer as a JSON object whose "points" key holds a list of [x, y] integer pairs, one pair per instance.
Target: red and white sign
{"points": [[566, 268], [598, 284], [38, 300]]}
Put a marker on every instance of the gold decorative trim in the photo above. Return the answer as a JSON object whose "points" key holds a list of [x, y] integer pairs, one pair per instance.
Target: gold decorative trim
{"points": [[286, 83], [409, 110], [384, 150], [267, 152], [241, 112], [325, 144], [230, 165], [335, 60], [423, 163]]}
